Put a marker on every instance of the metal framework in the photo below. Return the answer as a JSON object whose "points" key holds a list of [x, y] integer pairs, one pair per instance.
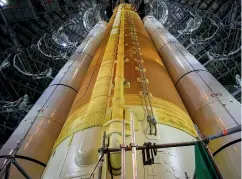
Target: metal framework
{"points": [[149, 151], [210, 31], [37, 37]]}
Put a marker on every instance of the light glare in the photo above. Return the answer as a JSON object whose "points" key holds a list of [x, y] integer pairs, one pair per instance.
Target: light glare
{"points": [[3, 2]]}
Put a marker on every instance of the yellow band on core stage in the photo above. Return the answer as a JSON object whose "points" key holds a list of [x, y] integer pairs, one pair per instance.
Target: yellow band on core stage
{"points": [[106, 103], [165, 113]]}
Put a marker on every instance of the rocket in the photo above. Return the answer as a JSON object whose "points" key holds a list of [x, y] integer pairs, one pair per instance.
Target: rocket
{"points": [[130, 83]]}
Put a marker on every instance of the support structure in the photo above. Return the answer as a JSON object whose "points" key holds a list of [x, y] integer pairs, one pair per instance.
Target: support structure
{"points": [[36, 134]]}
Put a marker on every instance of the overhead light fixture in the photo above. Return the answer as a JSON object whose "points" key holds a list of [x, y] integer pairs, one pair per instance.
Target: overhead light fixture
{"points": [[64, 44], [3, 2]]}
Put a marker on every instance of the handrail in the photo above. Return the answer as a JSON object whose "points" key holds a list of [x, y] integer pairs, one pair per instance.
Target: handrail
{"points": [[204, 141]]}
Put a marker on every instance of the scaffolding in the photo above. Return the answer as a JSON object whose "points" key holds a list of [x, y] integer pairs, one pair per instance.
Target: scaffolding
{"points": [[149, 151]]}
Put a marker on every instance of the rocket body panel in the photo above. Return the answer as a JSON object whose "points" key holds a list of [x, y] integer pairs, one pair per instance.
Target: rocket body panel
{"points": [[36, 134], [162, 90], [93, 112], [170, 163], [73, 72], [211, 107], [128, 83]]}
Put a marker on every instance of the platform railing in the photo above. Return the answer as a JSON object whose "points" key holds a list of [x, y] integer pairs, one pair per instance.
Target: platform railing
{"points": [[147, 147]]}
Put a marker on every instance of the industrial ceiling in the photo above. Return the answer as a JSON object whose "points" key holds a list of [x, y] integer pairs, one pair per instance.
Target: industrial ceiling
{"points": [[38, 36]]}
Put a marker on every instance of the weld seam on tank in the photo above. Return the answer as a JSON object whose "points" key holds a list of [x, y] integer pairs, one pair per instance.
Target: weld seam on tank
{"points": [[159, 28], [94, 37], [60, 84], [226, 146], [35, 116], [195, 70], [34, 119], [186, 58], [187, 74], [38, 113], [215, 110], [218, 99], [203, 105], [82, 52], [31, 159], [99, 58], [53, 119], [69, 68], [170, 42]]}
